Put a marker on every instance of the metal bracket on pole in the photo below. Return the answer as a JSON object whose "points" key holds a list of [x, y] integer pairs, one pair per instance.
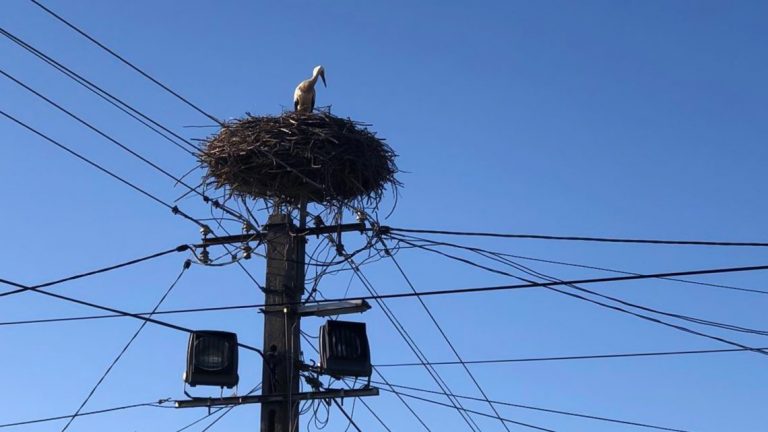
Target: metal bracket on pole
{"points": [[240, 400]]}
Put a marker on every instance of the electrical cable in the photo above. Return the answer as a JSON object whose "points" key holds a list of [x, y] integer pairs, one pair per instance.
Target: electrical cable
{"points": [[174, 209], [107, 96], [534, 408], [127, 149], [407, 338], [157, 404], [569, 264], [442, 332], [185, 267], [349, 417], [426, 293], [605, 305], [126, 62], [577, 238], [471, 411], [540, 275], [576, 357], [214, 411], [116, 311], [180, 248]]}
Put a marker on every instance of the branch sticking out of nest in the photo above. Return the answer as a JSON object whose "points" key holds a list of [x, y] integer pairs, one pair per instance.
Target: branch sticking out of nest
{"points": [[316, 157]]}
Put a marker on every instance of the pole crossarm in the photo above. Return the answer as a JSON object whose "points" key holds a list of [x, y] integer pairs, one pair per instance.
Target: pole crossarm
{"points": [[241, 400], [261, 236]]}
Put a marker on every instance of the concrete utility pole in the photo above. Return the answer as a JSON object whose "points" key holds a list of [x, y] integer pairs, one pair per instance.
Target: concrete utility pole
{"points": [[284, 284]]}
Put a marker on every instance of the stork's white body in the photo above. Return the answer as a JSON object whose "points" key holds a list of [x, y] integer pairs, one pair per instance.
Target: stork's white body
{"points": [[304, 95]]}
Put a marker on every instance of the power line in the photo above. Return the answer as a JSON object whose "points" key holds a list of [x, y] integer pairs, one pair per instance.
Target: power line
{"points": [[107, 96], [442, 332], [577, 357], [126, 62], [349, 417], [608, 306], [180, 248], [430, 293], [157, 404], [470, 411], [174, 209], [407, 338], [127, 149], [577, 238], [169, 90], [569, 264], [533, 408], [185, 267], [115, 311]]}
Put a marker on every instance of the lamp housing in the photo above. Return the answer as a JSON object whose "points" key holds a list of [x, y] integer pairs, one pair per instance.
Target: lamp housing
{"points": [[212, 359], [344, 349]]}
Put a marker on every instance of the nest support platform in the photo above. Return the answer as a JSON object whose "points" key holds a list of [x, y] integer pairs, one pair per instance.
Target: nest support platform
{"points": [[295, 157]]}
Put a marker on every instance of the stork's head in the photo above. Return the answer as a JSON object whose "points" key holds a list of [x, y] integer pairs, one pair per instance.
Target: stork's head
{"points": [[320, 71]]}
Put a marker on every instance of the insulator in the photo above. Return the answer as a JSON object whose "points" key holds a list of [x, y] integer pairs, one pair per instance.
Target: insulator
{"points": [[205, 257], [247, 251], [205, 231]]}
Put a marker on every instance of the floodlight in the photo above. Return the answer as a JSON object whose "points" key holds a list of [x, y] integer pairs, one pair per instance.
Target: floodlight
{"points": [[344, 349], [212, 359]]}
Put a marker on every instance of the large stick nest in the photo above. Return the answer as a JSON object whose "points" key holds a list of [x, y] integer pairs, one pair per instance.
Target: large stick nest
{"points": [[316, 157]]}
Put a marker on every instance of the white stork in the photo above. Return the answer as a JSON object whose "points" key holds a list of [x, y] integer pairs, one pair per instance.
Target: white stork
{"points": [[304, 95]]}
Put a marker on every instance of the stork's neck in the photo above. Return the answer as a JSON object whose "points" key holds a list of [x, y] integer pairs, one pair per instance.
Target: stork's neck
{"points": [[315, 75]]}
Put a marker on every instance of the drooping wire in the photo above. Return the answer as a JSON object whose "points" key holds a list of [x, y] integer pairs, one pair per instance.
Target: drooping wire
{"points": [[174, 209], [569, 264], [126, 62], [115, 311], [555, 281], [107, 96], [122, 146], [548, 410], [156, 404], [442, 332], [181, 248], [185, 267], [471, 411], [584, 239]]}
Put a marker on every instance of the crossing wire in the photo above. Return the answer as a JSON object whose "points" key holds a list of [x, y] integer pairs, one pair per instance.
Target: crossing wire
{"points": [[601, 304], [115, 311], [570, 264], [157, 404], [180, 248], [107, 96], [635, 277], [548, 410], [584, 239], [185, 267], [442, 332], [174, 209], [124, 147]]}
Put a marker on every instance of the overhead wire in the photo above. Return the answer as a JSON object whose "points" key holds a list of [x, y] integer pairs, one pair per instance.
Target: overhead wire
{"points": [[180, 248], [174, 209], [485, 289], [583, 239], [156, 404], [442, 332], [104, 94], [552, 411], [185, 267], [116, 311], [407, 338], [480, 413], [574, 285], [570, 264], [122, 146]]}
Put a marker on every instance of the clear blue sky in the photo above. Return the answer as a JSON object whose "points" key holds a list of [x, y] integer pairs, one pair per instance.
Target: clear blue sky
{"points": [[631, 119]]}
